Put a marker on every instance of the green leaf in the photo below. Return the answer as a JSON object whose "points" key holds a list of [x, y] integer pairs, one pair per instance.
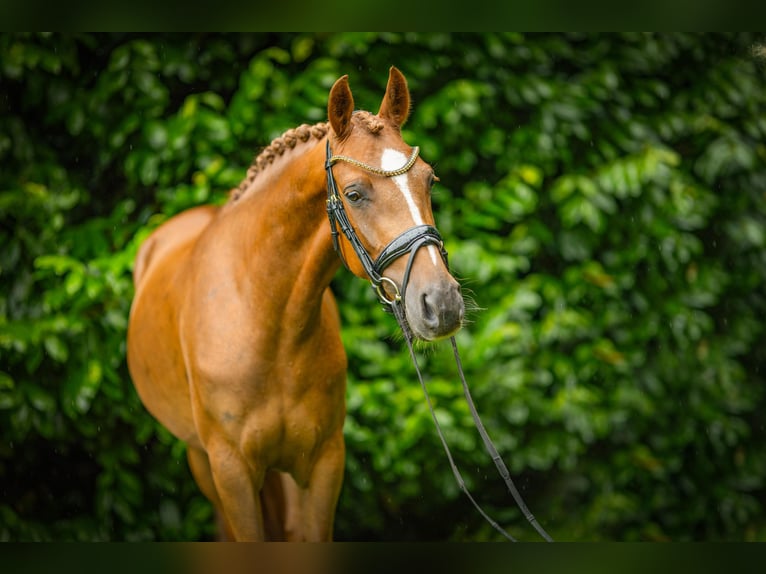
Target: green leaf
{"points": [[56, 348]]}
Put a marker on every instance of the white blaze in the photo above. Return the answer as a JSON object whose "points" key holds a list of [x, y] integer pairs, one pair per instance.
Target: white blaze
{"points": [[391, 160]]}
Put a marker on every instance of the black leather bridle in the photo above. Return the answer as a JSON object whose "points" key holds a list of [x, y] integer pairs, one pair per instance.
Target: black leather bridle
{"points": [[409, 242]]}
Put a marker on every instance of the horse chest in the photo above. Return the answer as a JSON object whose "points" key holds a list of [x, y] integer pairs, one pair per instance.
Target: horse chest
{"points": [[288, 436], [279, 407]]}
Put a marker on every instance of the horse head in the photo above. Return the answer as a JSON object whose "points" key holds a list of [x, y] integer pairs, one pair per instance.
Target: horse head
{"points": [[384, 191]]}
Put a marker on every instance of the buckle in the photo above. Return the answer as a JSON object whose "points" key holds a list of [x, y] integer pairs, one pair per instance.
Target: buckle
{"points": [[383, 296]]}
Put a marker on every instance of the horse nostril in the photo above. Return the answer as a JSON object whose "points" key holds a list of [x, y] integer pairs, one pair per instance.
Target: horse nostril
{"points": [[429, 316]]}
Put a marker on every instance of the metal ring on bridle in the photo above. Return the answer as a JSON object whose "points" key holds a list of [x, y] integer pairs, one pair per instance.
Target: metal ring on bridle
{"points": [[383, 296]]}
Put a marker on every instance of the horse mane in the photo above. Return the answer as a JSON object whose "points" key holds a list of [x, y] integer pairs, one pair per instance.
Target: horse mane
{"points": [[275, 149], [289, 140]]}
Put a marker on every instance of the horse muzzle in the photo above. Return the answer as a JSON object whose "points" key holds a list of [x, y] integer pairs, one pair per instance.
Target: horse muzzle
{"points": [[435, 310]]}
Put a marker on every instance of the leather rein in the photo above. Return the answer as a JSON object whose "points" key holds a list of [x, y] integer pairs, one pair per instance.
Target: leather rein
{"points": [[409, 242]]}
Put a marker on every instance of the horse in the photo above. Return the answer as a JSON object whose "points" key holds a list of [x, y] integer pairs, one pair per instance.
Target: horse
{"points": [[234, 340]]}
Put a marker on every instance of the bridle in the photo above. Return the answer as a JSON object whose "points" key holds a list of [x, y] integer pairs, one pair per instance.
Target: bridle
{"points": [[407, 242], [410, 241]]}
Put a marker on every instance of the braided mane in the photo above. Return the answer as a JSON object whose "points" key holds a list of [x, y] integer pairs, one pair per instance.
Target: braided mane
{"points": [[290, 139], [275, 149]]}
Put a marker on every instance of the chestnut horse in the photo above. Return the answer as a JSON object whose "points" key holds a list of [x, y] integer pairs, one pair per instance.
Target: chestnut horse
{"points": [[234, 336]]}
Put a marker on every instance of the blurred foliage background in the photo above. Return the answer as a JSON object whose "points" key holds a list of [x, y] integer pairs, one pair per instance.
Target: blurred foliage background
{"points": [[604, 200]]}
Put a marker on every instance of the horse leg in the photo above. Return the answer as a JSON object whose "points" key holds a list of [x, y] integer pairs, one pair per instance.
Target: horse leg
{"points": [[203, 476], [273, 505], [238, 485], [310, 510]]}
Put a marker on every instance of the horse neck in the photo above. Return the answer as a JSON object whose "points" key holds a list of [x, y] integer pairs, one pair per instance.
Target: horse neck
{"points": [[281, 229]]}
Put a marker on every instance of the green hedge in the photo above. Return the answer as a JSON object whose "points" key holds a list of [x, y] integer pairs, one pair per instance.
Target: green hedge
{"points": [[603, 199]]}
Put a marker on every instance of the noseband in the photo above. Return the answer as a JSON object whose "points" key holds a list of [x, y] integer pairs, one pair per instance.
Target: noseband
{"points": [[407, 242]]}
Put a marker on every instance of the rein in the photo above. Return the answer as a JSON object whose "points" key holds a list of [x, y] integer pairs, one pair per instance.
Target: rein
{"points": [[409, 242]]}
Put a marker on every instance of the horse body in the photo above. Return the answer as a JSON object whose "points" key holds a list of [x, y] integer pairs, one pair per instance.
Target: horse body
{"points": [[234, 337]]}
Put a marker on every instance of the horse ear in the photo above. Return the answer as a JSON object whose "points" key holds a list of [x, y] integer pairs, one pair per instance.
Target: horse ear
{"points": [[340, 106], [396, 102]]}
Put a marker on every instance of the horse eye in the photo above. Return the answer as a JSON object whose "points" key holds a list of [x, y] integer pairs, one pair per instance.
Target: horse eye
{"points": [[353, 196]]}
